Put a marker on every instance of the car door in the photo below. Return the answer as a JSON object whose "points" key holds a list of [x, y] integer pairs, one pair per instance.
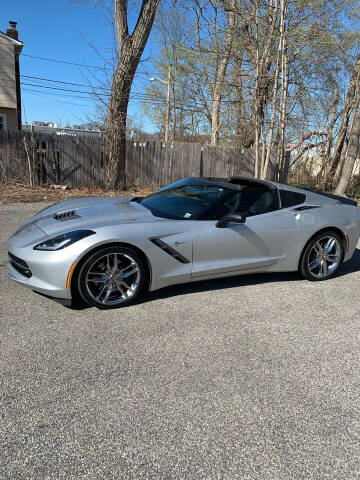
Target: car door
{"points": [[260, 242]]}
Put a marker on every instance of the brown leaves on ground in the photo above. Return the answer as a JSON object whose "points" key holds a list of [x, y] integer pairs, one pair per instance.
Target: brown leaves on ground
{"points": [[21, 193]]}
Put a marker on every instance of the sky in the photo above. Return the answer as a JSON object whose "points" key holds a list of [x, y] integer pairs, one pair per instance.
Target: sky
{"points": [[68, 31]]}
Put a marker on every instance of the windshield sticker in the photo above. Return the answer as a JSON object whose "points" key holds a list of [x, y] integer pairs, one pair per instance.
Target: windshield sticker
{"points": [[187, 215]]}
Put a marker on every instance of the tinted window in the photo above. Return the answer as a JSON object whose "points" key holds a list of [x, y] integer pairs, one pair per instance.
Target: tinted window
{"points": [[188, 202], [256, 201], [290, 199]]}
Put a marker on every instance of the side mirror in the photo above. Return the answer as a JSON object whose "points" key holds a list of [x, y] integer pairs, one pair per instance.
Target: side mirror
{"points": [[230, 218]]}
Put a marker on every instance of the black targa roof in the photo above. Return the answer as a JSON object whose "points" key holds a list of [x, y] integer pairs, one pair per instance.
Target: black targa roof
{"points": [[238, 181]]}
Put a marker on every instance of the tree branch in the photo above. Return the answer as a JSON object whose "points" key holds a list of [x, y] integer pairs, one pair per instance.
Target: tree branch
{"points": [[305, 137], [305, 149]]}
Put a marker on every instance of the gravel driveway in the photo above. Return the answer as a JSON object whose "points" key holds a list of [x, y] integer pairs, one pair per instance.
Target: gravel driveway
{"points": [[255, 377]]}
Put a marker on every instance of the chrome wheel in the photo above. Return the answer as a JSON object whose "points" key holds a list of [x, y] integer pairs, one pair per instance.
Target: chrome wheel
{"points": [[113, 278], [324, 257]]}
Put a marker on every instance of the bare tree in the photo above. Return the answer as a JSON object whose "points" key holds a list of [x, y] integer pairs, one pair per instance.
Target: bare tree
{"points": [[350, 156], [270, 75], [267, 151], [220, 77], [130, 49], [283, 98], [350, 102]]}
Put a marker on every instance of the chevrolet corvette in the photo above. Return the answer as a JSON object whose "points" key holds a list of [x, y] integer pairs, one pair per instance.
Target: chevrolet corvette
{"points": [[109, 250]]}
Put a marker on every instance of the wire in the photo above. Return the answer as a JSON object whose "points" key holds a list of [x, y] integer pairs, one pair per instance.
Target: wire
{"points": [[33, 92], [63, 61], [156, 100], [134, 95], [137, 95], [64, 89], [142, 97], [60, 81], [92, 94], [83, 84]]}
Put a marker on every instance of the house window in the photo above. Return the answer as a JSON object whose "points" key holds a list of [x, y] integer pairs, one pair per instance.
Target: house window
{"points": [[2, 121]]}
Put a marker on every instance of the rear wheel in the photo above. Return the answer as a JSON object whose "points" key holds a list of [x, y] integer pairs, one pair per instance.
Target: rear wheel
{"points": [[112, 277], [322, 256]]}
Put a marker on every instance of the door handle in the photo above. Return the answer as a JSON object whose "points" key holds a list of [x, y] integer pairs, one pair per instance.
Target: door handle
{"points": [[179, 243]]}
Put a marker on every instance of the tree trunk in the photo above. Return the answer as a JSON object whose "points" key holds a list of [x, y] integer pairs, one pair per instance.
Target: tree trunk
{"points": [[263, 61], [174, 123], [130, 49], [256, 92], [346, 144], [332, 122], [239, 105], [326, 161], [115, 174], [181, 123], [275, 94], [350, 157], [348, 109], [283, 99], [220, 77]]}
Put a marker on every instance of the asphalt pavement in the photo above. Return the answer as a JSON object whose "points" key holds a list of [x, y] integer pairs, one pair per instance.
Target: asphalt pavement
{"points": [[252, 377]]}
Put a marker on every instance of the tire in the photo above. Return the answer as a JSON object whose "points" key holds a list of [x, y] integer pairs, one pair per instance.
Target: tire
{"points": [[318, 264], [112, 277]]}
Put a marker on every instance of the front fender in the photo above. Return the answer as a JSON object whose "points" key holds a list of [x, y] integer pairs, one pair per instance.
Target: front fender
{"points": [[164, 269]]}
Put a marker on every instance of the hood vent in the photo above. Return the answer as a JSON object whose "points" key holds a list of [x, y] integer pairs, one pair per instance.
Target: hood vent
{"points": [[63, 216]]}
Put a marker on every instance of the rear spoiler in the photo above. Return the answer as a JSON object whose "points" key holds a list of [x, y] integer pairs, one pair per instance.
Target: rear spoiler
{"points": [[344, 200]]}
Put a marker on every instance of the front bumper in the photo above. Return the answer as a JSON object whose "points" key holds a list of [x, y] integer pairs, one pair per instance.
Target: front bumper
{"points": [[49, 271]]}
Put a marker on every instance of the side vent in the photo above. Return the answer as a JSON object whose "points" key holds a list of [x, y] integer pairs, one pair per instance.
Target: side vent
{"points": [[169, 250], [63, 216]]}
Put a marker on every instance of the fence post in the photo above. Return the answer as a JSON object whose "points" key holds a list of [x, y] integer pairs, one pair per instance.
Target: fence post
{"points": [[79, 162], [202, 162]]}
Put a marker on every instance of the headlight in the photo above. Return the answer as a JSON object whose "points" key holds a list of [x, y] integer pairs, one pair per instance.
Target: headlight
{"points": [[63, 240]]}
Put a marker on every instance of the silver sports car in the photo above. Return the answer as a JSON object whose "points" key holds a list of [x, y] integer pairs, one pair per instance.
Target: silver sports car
{"points": [[107, 250]]}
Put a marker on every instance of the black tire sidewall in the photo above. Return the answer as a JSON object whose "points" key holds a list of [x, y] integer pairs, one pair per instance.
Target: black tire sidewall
{"points": [[304, 264], [81, 283]]}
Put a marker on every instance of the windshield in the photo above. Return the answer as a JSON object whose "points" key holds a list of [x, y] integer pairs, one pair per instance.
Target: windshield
{"points": [[187, 201]]}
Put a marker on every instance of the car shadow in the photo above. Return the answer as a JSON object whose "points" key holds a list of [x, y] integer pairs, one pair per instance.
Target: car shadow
{"points": [[350, 266]]}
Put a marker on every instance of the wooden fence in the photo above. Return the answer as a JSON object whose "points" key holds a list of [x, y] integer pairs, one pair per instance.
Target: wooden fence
{"points": [[78, 161]]}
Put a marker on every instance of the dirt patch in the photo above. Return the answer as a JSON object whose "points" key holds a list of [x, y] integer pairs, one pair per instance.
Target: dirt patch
{"points": [[20, 193]]}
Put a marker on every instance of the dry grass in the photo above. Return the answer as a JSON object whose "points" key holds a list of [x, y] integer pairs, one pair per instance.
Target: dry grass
{"points": [[21, 193]]}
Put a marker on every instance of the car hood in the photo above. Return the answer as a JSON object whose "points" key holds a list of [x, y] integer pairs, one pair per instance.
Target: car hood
{"points": [[90, 212]]}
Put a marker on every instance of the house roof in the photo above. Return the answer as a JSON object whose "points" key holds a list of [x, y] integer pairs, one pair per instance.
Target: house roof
{"points": [[7, 37]]}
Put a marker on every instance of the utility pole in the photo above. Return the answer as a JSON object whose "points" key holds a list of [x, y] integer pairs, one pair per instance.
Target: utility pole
{"points": [[167, 117], [167, 114]]}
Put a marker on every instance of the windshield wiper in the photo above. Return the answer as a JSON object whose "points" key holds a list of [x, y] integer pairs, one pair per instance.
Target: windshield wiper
{"points": [[136, 199]]}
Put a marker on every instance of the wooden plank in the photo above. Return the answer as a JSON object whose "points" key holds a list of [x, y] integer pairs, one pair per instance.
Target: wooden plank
{"points": [[77, 161]]}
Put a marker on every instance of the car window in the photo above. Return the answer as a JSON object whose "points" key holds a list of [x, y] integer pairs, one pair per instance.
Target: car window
{"points": [[290, 199], [187, 202], [223, 208], [256, 201]]}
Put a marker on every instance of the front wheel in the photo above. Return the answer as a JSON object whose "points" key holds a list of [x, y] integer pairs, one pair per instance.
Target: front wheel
{"points": [[322, 256], [112, 277]]}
